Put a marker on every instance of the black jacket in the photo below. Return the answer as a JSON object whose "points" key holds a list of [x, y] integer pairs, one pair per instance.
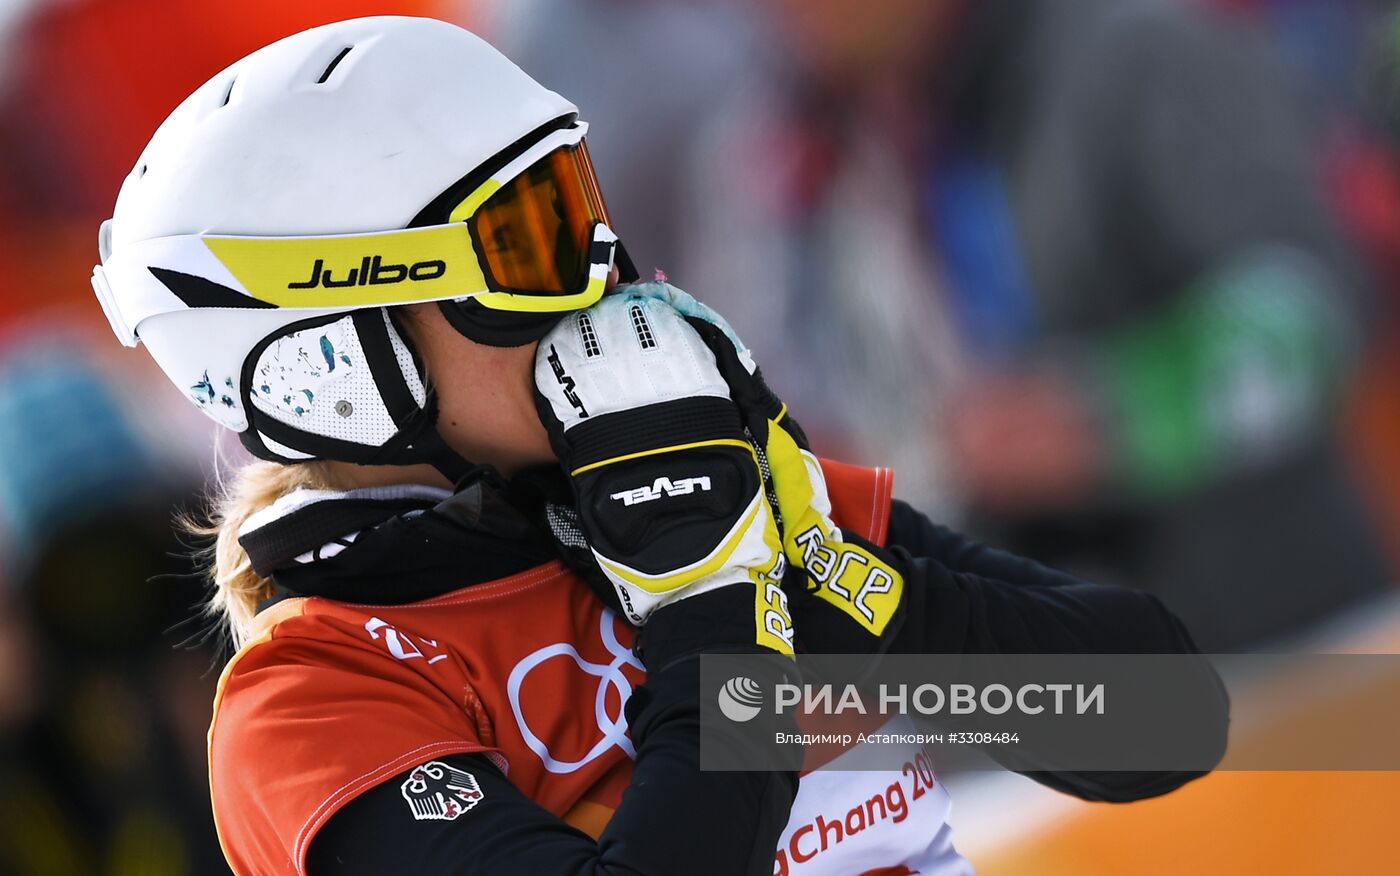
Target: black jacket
{"points": [[960, 597]]}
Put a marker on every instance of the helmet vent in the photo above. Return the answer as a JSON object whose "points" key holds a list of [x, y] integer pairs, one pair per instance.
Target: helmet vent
{"points": [[335, 62], [228, 92], [140, 171]]}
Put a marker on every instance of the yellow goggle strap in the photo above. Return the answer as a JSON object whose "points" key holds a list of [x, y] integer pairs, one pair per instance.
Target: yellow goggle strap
{"points": [[384, 268], [353, 270]]}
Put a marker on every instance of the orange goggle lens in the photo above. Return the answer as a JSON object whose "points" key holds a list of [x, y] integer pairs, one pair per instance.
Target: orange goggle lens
{"points": [[534, 232]]}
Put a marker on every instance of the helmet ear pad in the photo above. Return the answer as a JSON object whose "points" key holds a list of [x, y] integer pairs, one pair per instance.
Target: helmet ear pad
{"points": [[348, 387]]}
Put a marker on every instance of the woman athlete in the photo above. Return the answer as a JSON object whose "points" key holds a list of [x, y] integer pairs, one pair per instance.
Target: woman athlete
{"points": [[507, 495]]}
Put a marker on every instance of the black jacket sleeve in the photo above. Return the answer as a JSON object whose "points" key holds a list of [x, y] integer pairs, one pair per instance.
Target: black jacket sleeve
{"points": [[961, 597], [673, 819], [964, 597]]}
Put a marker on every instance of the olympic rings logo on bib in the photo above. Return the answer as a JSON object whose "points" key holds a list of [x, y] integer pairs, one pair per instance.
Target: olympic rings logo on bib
{"points": [[612, 728]]}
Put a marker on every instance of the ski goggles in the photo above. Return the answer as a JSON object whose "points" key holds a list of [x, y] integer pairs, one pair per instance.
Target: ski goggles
{"points": [[533, 237]]}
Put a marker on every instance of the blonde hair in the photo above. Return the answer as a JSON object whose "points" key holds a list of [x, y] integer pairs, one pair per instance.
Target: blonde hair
{"points": [[237, 588]]}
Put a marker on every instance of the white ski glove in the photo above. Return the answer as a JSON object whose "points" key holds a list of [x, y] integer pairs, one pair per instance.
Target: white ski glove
{"points": [[668, 488]]}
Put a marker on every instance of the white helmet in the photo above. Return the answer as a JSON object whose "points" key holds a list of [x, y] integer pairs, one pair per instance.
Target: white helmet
{"points": [[283, 209]]}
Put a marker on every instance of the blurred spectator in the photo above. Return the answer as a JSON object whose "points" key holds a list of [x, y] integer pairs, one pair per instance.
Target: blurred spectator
{"points": [[102, 717], [603, 54], [102, 752], [1069, 267], [1364, 177], [1350, 55]]}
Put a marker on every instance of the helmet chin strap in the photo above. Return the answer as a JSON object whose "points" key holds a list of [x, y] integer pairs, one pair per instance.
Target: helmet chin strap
{"points": [[418, 439], [429, 446]]}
